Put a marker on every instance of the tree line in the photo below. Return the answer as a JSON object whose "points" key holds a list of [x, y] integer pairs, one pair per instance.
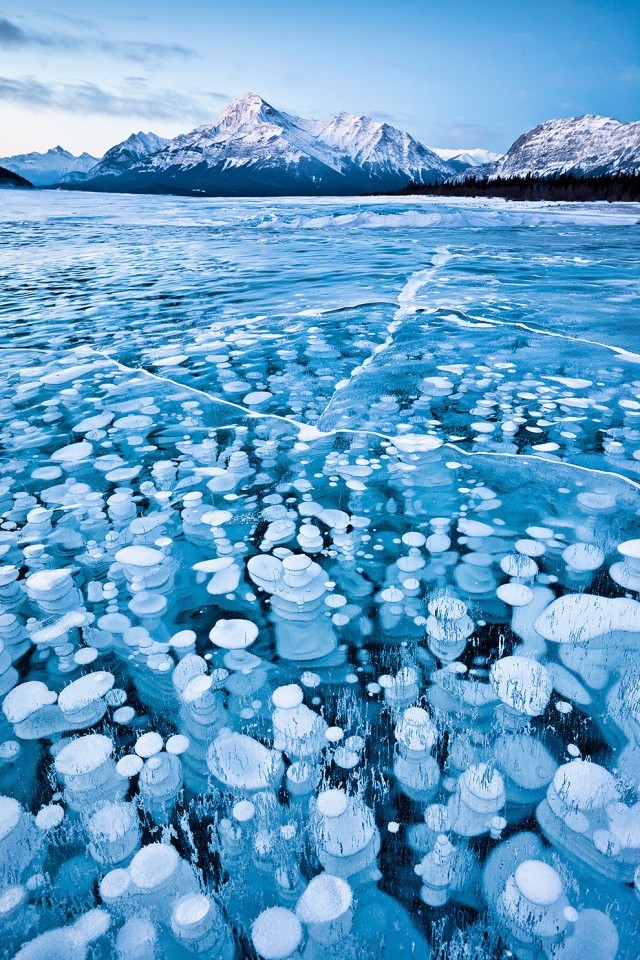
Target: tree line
{"points": [[612, 187]]}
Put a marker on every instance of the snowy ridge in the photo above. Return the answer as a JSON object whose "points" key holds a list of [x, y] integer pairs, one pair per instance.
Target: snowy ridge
{"points": [[366, 141], [579, 145], [45, 169], [132, 150]]}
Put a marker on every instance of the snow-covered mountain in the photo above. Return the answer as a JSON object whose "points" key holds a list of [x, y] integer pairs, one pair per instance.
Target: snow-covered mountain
{"points": [[252, 149], [374, 145], [118, 159], [582, 146], [134, 149], [465, 159], [45, 169]]}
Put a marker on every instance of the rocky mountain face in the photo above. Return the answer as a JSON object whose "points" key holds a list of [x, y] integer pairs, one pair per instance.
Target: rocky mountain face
{"points": [[252, 149], [581, 146]]}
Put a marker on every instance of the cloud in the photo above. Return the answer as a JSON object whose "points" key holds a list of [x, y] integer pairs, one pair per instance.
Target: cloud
{"points": [[384, 117], [458, 134], [135, 99], [630, 74], [13, 37]]}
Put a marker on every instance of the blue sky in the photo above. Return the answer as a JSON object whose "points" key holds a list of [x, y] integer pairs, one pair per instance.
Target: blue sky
{"points": [[454, 73]]}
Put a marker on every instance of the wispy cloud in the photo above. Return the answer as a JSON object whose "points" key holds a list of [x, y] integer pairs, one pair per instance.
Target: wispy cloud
{"points": [[384, 117], [630, 74], [463, 135], [134, 99], [13, 37]]}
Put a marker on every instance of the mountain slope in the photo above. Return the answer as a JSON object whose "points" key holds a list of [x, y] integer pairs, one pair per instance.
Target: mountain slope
{"points": [[117, 160], [10, 179], [252, 149], [135, 148], [45, 169], [583, 146], [380, 147]]}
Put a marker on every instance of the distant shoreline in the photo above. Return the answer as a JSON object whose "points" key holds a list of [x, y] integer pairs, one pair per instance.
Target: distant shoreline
{"points": [[611, 188], [623, 189]]}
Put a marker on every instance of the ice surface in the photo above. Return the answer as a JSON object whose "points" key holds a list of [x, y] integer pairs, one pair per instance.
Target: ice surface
{"points": [[319, 579]]}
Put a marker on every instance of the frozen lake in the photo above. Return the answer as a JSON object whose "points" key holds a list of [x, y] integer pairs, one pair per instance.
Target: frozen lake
{"points": [[320, 560]]}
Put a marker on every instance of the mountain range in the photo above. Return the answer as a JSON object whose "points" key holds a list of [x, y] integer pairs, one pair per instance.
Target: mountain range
{"points": [[45, 169], [467, 159], [253, 149]]}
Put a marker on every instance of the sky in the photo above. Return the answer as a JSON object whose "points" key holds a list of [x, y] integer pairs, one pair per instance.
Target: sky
{"points": [[454, 73]]}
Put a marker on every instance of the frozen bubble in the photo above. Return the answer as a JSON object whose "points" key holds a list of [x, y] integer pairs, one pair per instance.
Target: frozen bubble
{"points": [[326, 899], [12, 898], [50, 816], [149, 744], [287, 697], [83, 755], [522, 684], [417, 443], [583, 785], [233, 634], [46, 584], [579, 618], [216, 518], [129, 765], [334, 734], [276, 933], [583, 556], [10, 814], [515, 594], [85, 691], [139, 557], [183, 640], [173, 361], [538, 882], [243, 811], [530, 548], [242, 763], [332, 803], [26, 699], [153, 865], [124, 715], [85, 656], [73, 452], [257, 397]]}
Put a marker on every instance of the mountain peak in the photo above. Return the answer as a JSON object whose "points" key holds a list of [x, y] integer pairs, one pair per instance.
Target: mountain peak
{"points": [[250, 98], [243, 111], [136, 147]]}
